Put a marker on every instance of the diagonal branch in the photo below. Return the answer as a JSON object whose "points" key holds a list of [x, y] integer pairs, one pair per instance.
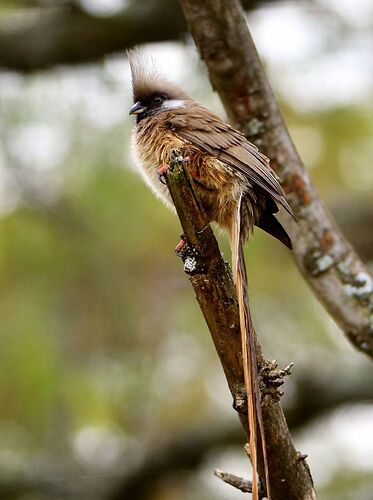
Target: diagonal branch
{"points": [[339, 279], [215, 292]]}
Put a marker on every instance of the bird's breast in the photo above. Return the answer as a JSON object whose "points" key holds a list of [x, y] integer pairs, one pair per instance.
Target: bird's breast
{"points": [[218, 185], [152, 145]]}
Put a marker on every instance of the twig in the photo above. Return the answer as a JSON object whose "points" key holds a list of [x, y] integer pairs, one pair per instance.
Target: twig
{"points": [[272, 378], [240, 483], [215, 292], [329, 264]]}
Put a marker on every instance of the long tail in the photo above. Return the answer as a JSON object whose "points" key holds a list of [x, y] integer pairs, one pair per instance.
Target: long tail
{"points": [[254, 408]]}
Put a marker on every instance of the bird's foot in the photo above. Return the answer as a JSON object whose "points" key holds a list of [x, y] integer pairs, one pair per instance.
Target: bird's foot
{"points": [[180, 247], [178, 159], [186, 161]]}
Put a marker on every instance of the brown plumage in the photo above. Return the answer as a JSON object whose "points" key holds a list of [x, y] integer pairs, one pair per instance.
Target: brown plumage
{"points": [[233, 180]]}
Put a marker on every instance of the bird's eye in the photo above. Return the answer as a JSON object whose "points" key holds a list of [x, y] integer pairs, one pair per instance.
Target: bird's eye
{"points": [[157, 99]]}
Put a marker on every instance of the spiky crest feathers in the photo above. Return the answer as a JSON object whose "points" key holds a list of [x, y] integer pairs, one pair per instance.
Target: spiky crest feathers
{"points": [[147, 81]]}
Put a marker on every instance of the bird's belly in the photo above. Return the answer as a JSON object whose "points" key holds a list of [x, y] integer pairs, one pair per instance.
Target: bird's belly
{"points": [[151, 154], [218, 186]]}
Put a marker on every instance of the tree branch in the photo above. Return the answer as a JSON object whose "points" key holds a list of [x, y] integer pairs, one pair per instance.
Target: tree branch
{"points": [[68, 34], [215, 292], [329, 264]]}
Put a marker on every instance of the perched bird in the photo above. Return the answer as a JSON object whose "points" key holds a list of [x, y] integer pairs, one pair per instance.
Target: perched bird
{"points": [[233, 180]]}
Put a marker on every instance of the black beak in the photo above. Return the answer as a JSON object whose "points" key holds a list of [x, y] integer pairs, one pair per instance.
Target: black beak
{"points": [[137, 108]]}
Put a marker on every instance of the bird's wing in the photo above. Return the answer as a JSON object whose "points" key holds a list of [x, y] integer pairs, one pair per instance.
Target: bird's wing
{"points": [[209, 133]]}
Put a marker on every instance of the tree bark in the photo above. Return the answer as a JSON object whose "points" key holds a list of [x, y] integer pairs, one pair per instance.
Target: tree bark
{"points": [[290, 478], [339, 279]]}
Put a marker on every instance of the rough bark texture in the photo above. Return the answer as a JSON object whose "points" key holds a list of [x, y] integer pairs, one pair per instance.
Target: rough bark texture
{"points": [[211, 279], [329, 264]]}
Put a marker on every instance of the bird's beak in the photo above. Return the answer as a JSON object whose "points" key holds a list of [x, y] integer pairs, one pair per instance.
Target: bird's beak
{"points": [[137, 108]]}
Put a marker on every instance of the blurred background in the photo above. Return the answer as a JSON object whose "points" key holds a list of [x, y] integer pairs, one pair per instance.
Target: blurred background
{"points": [[109, 384]]}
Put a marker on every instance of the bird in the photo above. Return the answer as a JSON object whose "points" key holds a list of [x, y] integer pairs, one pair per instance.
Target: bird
{"points": [[234, 183]]}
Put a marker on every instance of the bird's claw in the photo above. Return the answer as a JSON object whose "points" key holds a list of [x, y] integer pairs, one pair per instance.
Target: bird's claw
{"points": [[180, 247], [186, 161], [176, 160], [161, 171]]}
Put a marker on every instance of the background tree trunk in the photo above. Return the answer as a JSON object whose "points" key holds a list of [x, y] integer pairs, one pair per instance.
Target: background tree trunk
{"points": [[339, 279]]}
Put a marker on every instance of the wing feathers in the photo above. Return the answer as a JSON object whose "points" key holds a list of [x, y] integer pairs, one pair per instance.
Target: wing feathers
{"points": [[200, 127]]}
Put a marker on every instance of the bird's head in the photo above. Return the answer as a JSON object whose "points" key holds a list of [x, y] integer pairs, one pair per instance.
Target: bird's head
{"points": [[152, 93]]}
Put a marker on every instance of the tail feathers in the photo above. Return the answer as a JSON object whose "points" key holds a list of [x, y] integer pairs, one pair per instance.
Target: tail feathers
{"points": [[249, 364], [271, 225], [254, 409]]}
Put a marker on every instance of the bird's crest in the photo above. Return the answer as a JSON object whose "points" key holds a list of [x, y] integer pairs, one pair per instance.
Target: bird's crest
{"points": [[147, 81]]}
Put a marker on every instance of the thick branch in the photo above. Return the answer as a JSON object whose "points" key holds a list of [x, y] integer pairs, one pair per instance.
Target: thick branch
{"points": [[70, 35], [329, 264], [215, 291]]}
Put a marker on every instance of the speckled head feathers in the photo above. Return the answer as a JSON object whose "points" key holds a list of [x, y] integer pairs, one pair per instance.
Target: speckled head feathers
{"points": [[147, 81]]}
